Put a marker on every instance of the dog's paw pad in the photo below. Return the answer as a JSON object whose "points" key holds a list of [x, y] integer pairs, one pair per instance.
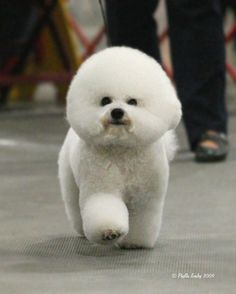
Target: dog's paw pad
{"points": [[110, 235]]}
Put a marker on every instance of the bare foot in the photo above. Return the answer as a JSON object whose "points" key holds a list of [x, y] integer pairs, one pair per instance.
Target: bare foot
{"points": [[208, 143]]}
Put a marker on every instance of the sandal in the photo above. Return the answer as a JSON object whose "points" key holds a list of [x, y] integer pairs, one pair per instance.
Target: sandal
{"points": [[208, 154]]}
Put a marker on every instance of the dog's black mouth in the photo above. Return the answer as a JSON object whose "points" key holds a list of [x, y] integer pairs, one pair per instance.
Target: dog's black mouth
{"points": [[118, 123]]}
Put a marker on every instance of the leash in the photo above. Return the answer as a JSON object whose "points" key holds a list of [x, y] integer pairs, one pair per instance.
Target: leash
{"points": [[104, 20]]}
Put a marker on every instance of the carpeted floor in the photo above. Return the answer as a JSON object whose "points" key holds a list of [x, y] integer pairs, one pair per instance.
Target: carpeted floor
{"points": [[39, 252]]}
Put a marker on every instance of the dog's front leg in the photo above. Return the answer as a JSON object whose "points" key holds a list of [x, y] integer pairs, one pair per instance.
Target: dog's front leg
{"points": [[105, 218], [144, 225]]}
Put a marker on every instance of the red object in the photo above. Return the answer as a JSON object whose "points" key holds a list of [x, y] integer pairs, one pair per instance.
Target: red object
{"points": [[229, 36], [89, 45], [89, 48], [7, 80]]}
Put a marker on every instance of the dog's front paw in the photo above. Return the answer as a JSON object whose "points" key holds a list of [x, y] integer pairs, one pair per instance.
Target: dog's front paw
{"points": [[107, 236], [111, 235]]}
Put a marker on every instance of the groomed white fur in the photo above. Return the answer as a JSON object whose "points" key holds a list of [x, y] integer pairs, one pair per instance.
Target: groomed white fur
{"points": [[114, 177]]}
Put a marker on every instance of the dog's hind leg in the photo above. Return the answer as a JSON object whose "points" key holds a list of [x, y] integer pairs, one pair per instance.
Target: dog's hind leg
{"points": [[70, 194]]}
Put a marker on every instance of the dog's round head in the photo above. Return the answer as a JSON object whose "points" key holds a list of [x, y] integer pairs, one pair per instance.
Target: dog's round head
{"points": [[122, 96]]}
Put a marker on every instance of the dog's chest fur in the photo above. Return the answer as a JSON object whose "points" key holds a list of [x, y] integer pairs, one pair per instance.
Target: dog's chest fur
{"points": [[133, 172]]}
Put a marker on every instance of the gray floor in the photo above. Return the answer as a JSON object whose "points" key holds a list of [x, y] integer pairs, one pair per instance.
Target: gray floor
{"points": [[39, 253]]}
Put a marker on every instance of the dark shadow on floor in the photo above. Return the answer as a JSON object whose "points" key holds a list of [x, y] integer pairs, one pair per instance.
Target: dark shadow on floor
{"points": [[72, 254]]}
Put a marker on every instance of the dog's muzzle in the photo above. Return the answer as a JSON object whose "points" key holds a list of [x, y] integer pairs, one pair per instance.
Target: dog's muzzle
{"points": [[116, 117]]}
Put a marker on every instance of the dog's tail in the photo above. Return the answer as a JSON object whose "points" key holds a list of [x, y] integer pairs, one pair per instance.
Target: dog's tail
{"points": [[171, 144]]}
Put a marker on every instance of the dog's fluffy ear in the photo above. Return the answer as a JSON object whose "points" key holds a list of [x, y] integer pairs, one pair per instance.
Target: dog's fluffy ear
{"points": [[168, 104], [177, 113], [172, 107], [165, 101]]}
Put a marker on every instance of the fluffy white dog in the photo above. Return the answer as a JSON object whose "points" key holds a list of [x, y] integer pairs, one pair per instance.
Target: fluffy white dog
{"points": [[114, 163]]}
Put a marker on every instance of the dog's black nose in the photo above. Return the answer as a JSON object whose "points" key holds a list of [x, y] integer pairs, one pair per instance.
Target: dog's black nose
{"points": [[117, 113]]}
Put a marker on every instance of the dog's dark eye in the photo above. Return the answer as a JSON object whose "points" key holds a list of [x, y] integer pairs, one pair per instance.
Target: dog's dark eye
{"points": [[132, 101], [105, 101]]}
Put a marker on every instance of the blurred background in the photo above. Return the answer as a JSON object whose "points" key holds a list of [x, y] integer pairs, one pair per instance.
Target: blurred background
{"points": [[42, 44]]}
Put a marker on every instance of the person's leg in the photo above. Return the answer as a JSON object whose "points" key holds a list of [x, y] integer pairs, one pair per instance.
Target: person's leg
{"points": [[131, 23], [198, 56]]}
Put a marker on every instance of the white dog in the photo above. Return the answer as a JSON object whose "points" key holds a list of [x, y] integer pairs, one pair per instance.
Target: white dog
{"points": [[113, 165]]}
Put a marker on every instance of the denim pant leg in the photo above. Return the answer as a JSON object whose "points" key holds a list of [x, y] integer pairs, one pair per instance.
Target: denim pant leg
{"points": [[198, 56], [131, 23]]}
